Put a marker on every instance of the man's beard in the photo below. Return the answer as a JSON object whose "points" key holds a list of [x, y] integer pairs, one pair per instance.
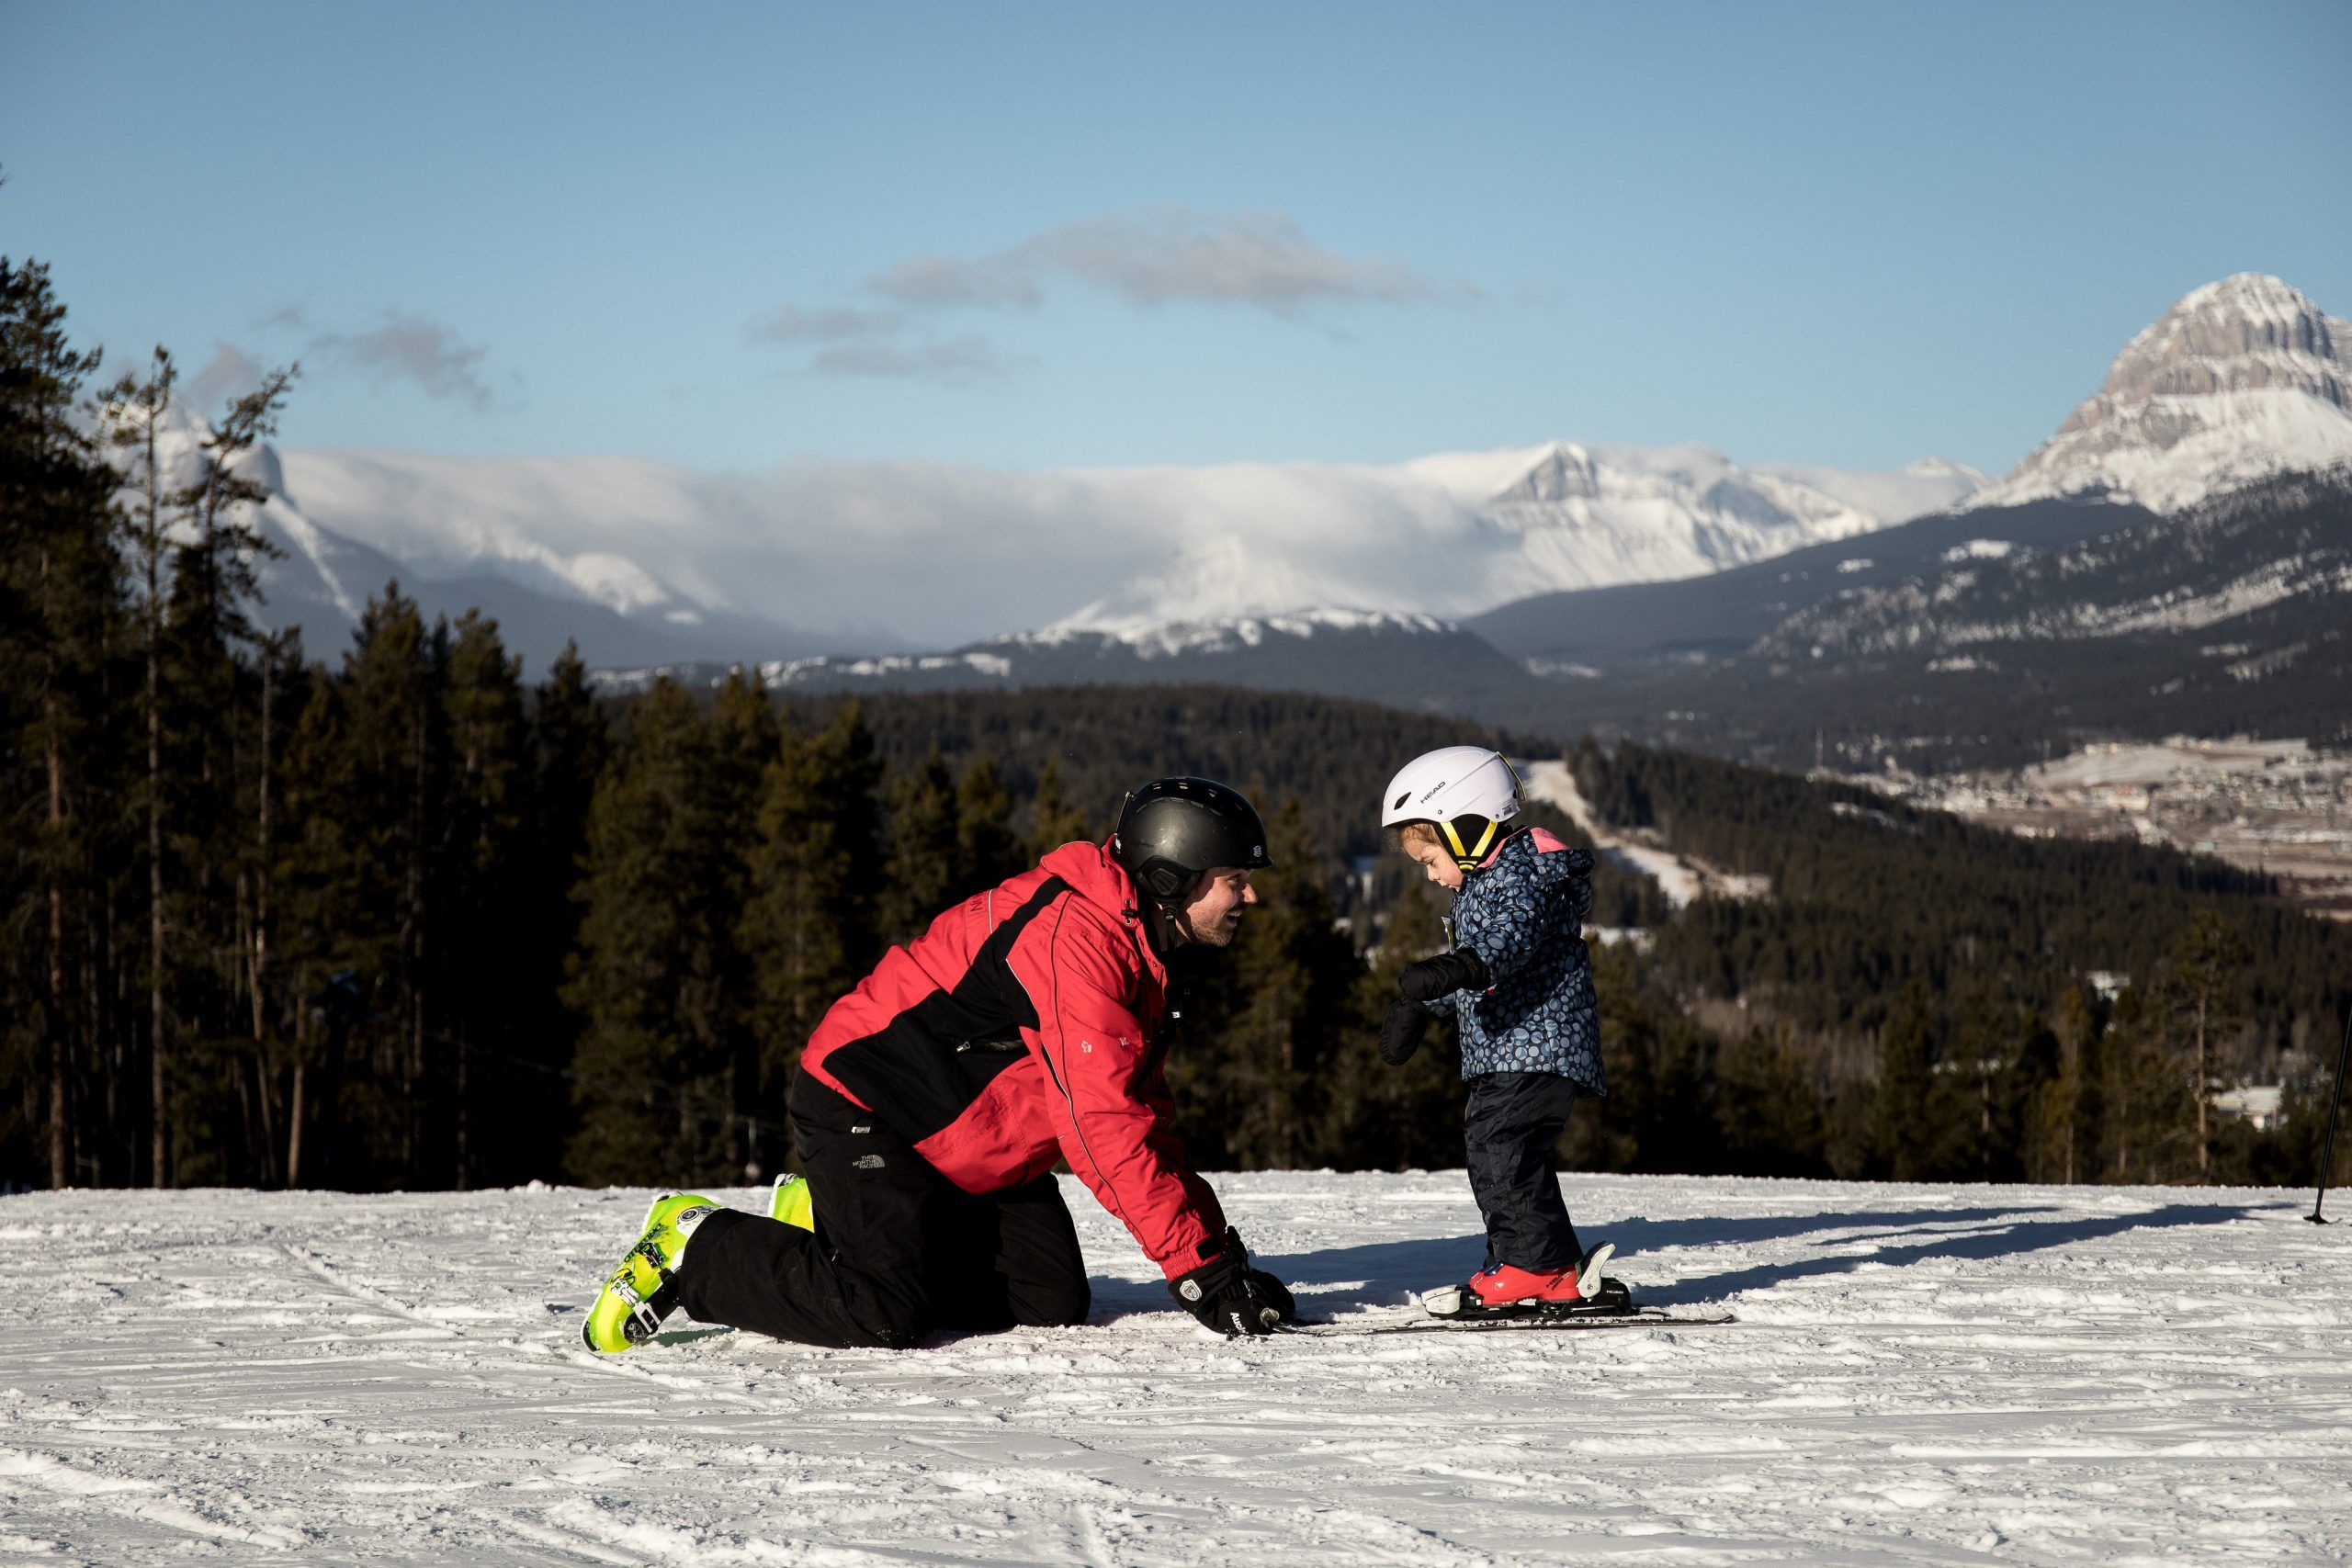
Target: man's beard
{"points": [[1221, 935]]}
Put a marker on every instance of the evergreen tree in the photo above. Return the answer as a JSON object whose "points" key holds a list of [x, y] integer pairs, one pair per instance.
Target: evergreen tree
{"points": [[1052, 820], [2150, 1123], [393, 682], [1658, 1114], [924, 871], [136, 411], [334, 904], [1905, 1134], [2200, 994], [571, 741], [1294, 973], [745, 739], [1395, 1118], [1768, 1116], [986, 850], [809, 916], [211, 747], [655, 1083], [488, 897], [2061, 1121], [59, 595]]}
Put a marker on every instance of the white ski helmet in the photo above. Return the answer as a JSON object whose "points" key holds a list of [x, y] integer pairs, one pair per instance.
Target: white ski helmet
{"points": [[1465, 792]]}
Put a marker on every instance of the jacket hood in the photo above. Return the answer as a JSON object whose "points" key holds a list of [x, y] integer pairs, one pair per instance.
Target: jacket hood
{"points": [[1535, 855], [1094, 875]]}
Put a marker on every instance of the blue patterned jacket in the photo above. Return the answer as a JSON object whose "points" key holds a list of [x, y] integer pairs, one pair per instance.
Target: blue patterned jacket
{"points": [[1522, 913]]}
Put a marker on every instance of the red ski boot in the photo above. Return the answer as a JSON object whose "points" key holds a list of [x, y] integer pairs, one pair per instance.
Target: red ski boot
{"points": [[1508, 1291]]}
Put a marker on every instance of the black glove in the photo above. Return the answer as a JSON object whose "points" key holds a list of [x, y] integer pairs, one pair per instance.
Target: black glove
{"points": [[1443, 976], [1229, 1296], [1401, 1031]]}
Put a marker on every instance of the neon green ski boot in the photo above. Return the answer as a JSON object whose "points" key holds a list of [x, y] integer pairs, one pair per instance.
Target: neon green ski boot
{"points": [[793, 1203], [641, 1292]]}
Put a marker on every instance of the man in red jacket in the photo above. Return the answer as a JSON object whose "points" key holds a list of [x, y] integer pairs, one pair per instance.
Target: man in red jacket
{"points": [[932, 1102]]}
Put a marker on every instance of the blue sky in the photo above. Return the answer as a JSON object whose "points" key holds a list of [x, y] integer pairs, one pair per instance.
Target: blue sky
{"points": [[1036, 236]]}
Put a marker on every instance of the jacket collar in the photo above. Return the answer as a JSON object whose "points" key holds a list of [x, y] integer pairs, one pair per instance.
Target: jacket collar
{"points": [[1103, 883]]}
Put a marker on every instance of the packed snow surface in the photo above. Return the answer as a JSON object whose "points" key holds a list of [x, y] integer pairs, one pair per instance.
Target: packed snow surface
{"points": [[1920, 1375]]}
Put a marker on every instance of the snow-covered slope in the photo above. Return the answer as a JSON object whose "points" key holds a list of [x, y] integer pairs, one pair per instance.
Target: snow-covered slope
{"points": [[2279, 552], [1938, 1375], [943, 555], [2241, 379]]}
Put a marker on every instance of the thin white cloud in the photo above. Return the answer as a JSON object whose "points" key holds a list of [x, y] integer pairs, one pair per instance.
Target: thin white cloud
{"points": [[1166, 255], [931, 282], [956, 360], [415, 349], [830, 325]]}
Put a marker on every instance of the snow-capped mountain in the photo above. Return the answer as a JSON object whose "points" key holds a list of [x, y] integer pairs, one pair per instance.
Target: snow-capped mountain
{"points": [[1461, 533], [319, 579], [2241, 379], [943, 556]]}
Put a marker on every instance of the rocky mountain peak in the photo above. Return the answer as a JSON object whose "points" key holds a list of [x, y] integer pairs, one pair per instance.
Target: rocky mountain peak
{"points": [[2246, 332], [2239, 380], [1564, 471]]}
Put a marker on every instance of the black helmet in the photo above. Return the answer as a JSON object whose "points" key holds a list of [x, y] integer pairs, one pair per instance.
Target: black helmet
{"points": [[1172, 830]]}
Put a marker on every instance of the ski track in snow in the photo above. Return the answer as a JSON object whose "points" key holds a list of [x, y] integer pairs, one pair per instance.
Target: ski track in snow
{"points": [[1920, 1375]]}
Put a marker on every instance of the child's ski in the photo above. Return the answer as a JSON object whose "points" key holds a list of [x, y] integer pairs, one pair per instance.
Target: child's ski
{"points": [[1640, 1317]]}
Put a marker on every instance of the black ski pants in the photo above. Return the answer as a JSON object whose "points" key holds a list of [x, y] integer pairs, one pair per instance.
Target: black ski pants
{"points": [[899, 1249], [1513, 1120]]}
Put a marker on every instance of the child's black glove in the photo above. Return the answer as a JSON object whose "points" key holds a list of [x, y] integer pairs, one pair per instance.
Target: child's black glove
{"points": [[1229, 1296], [1401, 1031], [1443, 976]]}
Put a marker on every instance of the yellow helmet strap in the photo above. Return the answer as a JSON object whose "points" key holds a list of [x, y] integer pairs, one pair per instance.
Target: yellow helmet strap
{"points": [[1468, 857]]}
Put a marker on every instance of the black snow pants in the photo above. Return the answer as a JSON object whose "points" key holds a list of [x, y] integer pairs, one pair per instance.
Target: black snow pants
{"points": [[899, 1249], [1512, 1122]]}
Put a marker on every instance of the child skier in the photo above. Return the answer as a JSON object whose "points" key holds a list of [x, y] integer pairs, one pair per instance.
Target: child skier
{"points": [[1519, 982]]}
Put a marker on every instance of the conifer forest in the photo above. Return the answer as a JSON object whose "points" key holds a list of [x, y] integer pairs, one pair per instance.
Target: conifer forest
{"points": [[390, 915]]}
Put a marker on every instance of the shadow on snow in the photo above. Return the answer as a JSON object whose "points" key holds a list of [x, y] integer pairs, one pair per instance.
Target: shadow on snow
{"points": [[1383, 1273]]}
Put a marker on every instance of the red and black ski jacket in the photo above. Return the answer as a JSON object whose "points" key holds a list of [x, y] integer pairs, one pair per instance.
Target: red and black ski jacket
{"points": [[1019, 1029]]}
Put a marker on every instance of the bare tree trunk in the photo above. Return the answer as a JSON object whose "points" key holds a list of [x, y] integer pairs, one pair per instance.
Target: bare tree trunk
{"points": [[158, 1042], [2204, 1077], [267, 1173], [2071, 1071], [54, 762], [416, 1089], [465, 1179], [294, 1132], [264, 1076]]}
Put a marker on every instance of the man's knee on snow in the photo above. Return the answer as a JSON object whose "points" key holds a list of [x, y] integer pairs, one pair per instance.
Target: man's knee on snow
{"points": [[1059, 1306], [880, 1317]]}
